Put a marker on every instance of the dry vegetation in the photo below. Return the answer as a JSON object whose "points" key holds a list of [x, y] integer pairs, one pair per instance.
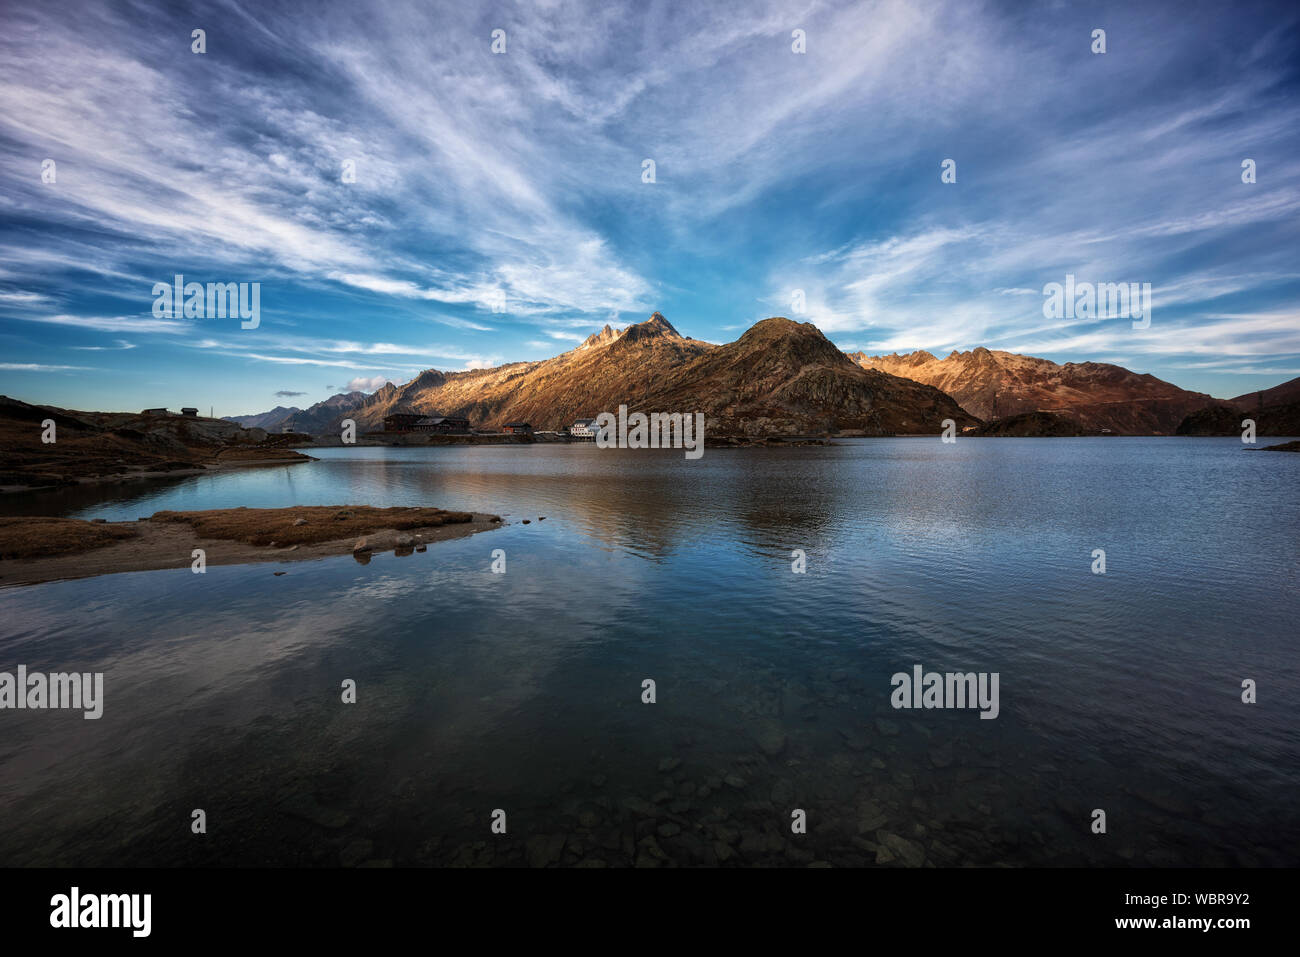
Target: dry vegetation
{"points": [[262, 526], [38, 537]]}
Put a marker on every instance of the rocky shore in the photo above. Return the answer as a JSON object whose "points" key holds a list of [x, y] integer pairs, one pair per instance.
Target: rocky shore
{"points": [[44, 447]]}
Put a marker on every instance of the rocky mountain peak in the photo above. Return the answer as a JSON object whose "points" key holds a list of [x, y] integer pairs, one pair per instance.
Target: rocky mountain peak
{"points": [[656, 327], [601, 338]]}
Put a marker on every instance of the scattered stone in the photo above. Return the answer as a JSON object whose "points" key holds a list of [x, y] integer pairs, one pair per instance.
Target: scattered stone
{"points": [[661, 797], [421, 548], [277, 574], [528, 521], [669, 764], [669, 829], [910, 853], [588, 818], [543, 850], [870, 817], [639, 806], [405, 541], [355, 852], [941, 756], [734, 781], [361, 546], [598, 780], [886, 727], [541, 518], [782, 793], [723, 852], [300, 521], [770, 738]]}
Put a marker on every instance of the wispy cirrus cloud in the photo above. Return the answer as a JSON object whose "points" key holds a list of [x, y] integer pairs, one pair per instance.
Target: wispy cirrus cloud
{"points": [[498, 207]]}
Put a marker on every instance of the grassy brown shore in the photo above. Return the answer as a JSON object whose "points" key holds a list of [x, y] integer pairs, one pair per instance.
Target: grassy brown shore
{"points": [[34, 550]]}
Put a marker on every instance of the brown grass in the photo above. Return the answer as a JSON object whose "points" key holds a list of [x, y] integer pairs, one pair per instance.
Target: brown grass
{"points": [[37, 537], [261, 526]]}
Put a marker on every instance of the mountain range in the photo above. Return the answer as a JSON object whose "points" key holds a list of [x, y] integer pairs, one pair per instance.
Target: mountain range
{"points": [[780, 377], [993, 384]]}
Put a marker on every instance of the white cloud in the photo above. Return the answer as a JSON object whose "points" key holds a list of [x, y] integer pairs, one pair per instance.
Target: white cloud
{"points": [[362, 384]]}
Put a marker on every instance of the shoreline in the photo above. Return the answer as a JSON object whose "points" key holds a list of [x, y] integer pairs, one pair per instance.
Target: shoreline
{"points": [[165, 542], [146, 474]]}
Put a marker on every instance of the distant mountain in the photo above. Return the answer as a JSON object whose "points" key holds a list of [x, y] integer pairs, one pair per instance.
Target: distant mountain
{"points": [[607, 369], [780, 377], [785, 377], [320, 417], [263, 420], [1278, 395], [994, 384], [323, 416]]}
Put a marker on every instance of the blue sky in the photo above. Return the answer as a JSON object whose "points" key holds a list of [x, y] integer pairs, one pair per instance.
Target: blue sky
{"points": [[520, 174]]}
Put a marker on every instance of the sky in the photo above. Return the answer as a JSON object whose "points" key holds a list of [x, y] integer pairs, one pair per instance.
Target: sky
{"points": [[408, 197]]}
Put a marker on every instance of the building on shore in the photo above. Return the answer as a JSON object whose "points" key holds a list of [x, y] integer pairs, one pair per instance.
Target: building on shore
{"points": [[156, 412], [443, 425], [190, 412], [402, 420], [584, 429], [517, 428]]}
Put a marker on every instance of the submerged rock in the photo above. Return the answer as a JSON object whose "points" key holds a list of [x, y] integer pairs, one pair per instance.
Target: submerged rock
{"points": [[770, 738], [356, 852], [544, 849], [910, 853]]}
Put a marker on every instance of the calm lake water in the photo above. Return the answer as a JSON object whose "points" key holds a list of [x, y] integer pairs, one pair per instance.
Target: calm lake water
{"points": [[523, 691]]}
